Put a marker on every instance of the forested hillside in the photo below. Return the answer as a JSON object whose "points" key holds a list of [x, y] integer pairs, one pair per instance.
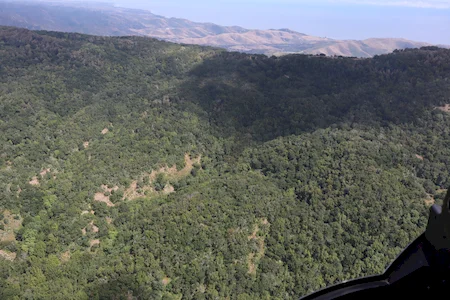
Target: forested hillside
{"points": [[132, 168]]}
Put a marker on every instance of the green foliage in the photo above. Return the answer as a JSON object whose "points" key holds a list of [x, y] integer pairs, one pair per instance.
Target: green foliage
{"points": [[313, 170], [160, 182]]}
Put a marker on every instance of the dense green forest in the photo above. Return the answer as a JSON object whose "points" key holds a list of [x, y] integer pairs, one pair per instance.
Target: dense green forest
{"points": [[132, 168]]}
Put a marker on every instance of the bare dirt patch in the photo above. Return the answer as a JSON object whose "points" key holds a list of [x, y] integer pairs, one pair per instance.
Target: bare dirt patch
{"points": [[94, 228], [168, 189], [166, 280], [419, 157], [101, 197], [109, 220], [132, 192], [105, 131], [91, 227], [253, 258], [429, 201], [445, 108], [44, 172], [94, 242], [11, 256], [171, 173], [65, 257], [34, 181], [201, 288], [10, 224]]}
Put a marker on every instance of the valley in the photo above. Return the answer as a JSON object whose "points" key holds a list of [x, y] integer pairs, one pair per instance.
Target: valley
{"points": [[219, 175]]}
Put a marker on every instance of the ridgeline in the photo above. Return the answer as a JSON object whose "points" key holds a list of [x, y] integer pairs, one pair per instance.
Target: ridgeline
{"points": [[132, 167]]}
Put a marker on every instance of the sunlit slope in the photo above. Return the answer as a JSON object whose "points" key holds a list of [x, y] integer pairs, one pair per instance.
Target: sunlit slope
{"points": [[131, 167]]}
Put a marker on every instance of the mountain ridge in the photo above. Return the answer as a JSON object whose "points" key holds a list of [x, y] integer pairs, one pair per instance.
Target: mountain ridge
{"points": [[115, 21]]}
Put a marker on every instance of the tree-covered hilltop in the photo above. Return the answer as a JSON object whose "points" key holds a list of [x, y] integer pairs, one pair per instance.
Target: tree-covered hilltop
{"points": [[135, 168]]}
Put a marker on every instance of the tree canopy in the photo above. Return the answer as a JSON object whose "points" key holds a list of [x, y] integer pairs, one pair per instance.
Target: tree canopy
{"points": [[132, 167]]}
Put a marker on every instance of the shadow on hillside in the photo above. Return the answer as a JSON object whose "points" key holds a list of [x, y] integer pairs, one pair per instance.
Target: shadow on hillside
{"points": [[125, 287], [263, 98]]}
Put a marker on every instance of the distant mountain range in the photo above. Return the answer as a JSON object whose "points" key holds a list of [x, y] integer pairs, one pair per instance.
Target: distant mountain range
{"points": [[105, 19]]}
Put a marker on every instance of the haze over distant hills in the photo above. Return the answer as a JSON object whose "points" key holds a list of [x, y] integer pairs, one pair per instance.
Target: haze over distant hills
{"points": [[104, 19]]}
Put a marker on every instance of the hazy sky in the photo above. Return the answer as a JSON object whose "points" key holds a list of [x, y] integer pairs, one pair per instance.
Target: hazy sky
{"points": [[422, 20]]}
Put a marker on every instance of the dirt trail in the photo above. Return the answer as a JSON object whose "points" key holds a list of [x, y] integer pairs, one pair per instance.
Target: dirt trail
{"points": [[171, 173], [133, 192], [253, 258], [189, 164], [251, 263], [255, 232]]}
